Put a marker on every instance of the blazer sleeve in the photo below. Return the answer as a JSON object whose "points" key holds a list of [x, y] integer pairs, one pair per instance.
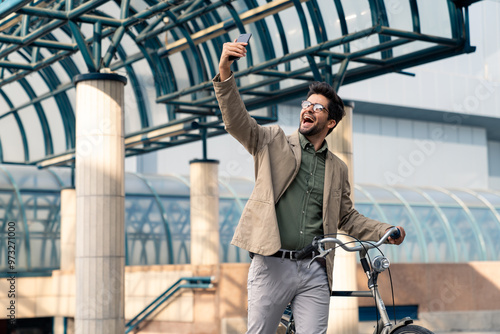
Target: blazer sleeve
{"points": [[354, 223], [237, 120]]}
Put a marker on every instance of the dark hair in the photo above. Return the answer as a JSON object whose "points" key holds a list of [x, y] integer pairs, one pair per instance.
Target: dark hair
{"points": [[335, 104]]}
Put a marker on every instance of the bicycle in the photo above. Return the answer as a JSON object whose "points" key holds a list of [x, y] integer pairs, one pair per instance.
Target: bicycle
{"points": [[372, 269]]}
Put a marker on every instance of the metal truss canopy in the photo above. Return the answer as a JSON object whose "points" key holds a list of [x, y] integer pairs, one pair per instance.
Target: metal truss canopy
{"points": [[169, 51]]}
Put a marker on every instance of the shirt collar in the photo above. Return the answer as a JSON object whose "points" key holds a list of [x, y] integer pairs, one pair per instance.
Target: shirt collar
{"points": [[304, 142]]}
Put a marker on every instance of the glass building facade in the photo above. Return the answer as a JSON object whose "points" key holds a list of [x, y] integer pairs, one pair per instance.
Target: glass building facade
{"points": [[443, 225]]}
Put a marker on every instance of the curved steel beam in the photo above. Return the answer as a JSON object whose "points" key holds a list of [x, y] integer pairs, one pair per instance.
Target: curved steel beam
{"points": [[168, 235], [379, 210], [456, 20], [317, 18], [239, 24], [20, 126], [136, 88], [488, 204], [114, 42], [64, 105], [444, 220], [282, 34], [218, 41], [470, 217], [379, 17], [343, 23], [22, 214], [209, 61], [62, 101], [84, 48], [268, 50], [47, 136], [56, 177], [7, 208], [195, 52], [190, 75], [415, 16], [414, 220], [307, 40], [303, 23]]}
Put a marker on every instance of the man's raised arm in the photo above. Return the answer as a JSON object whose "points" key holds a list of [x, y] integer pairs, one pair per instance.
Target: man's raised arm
{"points": [[230, 49]]}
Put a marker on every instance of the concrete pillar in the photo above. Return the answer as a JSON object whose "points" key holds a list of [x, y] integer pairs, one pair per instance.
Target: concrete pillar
{"points": [[68, 229], [344, 317], [100, 194], [204, 212], [205, 242]]}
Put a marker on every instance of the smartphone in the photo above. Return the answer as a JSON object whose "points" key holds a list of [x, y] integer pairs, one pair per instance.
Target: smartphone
{"points": [[243, 38]]}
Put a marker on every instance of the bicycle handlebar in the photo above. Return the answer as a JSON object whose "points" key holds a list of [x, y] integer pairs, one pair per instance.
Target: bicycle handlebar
{"points": [[317, 245], [304, 252], [365, 245]]}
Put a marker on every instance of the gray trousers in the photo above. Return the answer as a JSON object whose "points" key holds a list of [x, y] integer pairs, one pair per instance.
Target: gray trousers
{"points": [[274, 282]]}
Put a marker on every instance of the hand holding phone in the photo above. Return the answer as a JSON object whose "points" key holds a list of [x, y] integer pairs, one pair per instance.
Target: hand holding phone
{"points": [[243, 38]]}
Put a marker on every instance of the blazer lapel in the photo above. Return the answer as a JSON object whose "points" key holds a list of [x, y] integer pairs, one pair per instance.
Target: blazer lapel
{"points": [[329, 171], [297, 151]]}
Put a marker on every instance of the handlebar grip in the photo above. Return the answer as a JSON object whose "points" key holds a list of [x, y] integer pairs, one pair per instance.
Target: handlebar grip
{"points": [[395, 235], [305, 252]]}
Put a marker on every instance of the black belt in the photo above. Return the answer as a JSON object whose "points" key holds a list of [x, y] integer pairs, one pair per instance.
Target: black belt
{"points": [[292, 255]]}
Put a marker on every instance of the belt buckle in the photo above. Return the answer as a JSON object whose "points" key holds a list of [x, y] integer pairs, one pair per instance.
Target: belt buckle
{"points": [[292, 258]]}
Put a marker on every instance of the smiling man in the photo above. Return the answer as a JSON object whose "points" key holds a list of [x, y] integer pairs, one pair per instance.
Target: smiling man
{"points": [[301, 191]]}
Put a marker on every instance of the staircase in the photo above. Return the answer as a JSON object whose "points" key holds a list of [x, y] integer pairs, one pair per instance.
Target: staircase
{"points": [[181, 283]]}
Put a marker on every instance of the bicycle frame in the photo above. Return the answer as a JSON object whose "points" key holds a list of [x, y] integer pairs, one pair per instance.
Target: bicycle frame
{"points": [[372, 270], [384, 325]]}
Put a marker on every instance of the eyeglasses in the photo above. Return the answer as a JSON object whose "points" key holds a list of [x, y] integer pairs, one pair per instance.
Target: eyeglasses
{"points": [[317, 108]]}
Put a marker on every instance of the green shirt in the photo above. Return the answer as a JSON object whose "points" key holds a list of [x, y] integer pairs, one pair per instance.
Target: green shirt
{"points": [[300, 209]]}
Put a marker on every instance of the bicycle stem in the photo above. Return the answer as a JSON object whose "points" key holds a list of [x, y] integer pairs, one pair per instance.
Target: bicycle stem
{"points": [[380, 306], [373, 286]]}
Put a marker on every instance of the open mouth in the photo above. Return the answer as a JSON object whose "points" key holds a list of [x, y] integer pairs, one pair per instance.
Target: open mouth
{"points": [[307, 119]]}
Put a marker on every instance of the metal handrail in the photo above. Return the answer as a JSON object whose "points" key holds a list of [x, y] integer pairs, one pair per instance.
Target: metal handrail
{"points": [[192, 283]]}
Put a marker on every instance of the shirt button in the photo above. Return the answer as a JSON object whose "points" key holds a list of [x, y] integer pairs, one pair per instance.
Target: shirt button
{"points": [[303, 211], [301, 232]]}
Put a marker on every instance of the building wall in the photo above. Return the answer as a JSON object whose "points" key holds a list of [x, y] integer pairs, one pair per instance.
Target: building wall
{"points": [[395, 151], [494, 164]]}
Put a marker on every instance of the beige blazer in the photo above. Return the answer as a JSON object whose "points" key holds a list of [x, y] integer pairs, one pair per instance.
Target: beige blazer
{"points": [[277, 160]]}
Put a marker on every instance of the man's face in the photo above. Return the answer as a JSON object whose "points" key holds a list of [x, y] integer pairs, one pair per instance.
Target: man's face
{"points": [[315, 122]]}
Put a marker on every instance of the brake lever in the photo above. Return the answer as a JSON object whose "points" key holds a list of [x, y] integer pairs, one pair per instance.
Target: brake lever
{"points": [[322, 253]]}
